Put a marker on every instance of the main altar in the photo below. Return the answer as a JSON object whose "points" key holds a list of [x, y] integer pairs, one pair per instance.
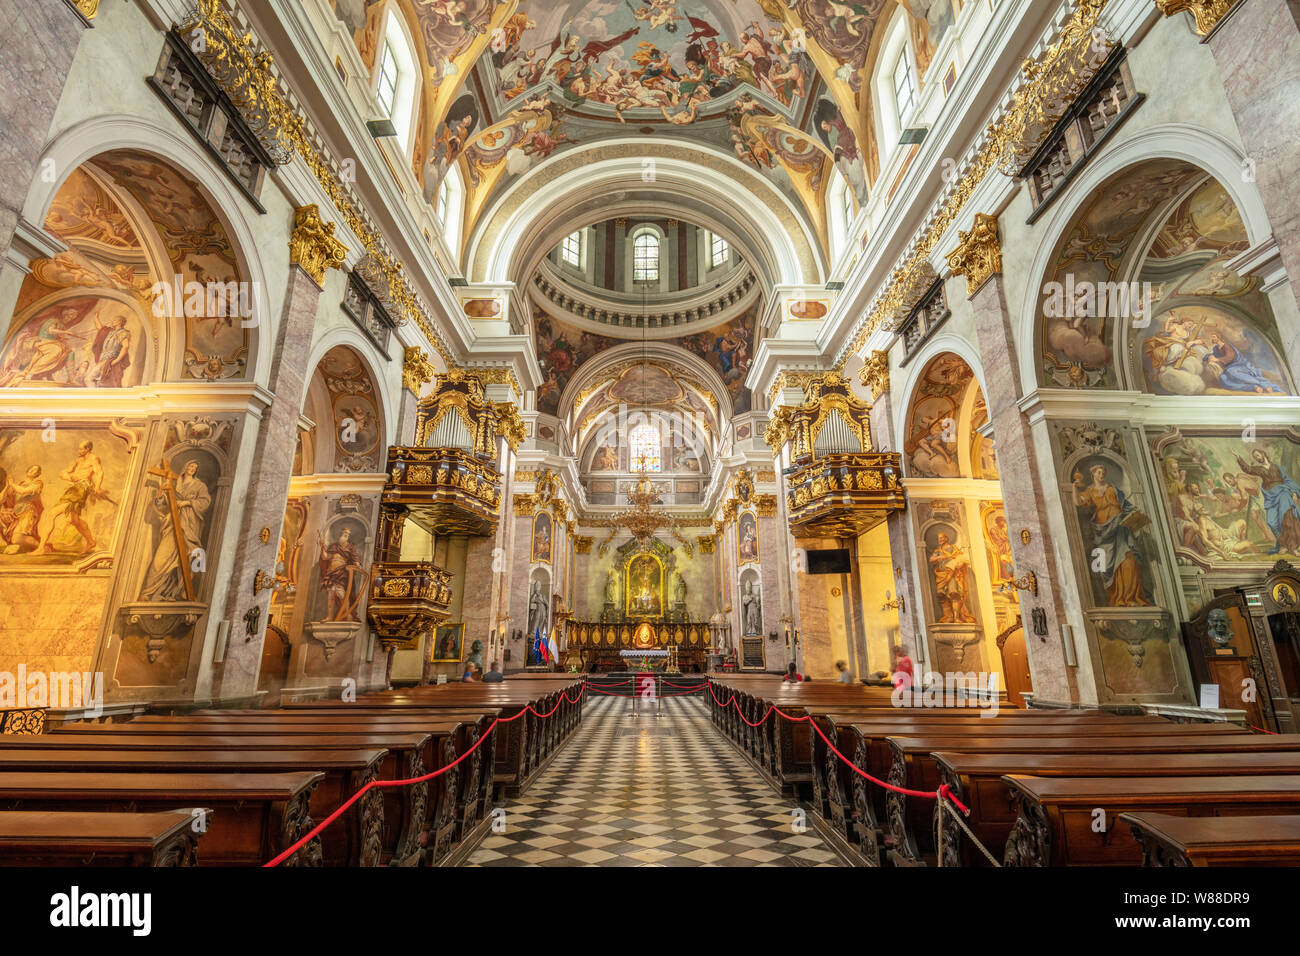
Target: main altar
{"points": [[598, 646]]}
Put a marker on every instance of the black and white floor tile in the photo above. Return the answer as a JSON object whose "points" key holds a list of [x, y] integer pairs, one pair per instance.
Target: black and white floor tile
{"points": [[667, 791]]}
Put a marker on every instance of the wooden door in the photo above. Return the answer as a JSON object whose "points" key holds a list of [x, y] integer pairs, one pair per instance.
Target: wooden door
{"points": [[1015, 664]]}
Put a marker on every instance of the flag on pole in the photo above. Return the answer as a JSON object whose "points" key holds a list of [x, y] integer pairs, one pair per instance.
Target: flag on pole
{"points": [[536, 649], [552, 650]]}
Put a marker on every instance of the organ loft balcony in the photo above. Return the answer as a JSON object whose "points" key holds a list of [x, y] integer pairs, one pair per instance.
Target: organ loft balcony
{"points": [[443, 490], [843, 495], [837, 485]]}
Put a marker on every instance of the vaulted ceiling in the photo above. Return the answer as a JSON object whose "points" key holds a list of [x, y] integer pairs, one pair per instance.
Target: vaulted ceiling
{"points": [[779, 85]]}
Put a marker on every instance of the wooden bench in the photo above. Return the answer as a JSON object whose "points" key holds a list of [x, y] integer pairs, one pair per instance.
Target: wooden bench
{"points": [[253, 816], [355, 840], [976, 780], [1059, 818], [1167, 840], [406, 809], [906, 824], [527, 742], [418, 817], [863, 740], [474, 801], [47, 838], [832, 781], [456, 801]]}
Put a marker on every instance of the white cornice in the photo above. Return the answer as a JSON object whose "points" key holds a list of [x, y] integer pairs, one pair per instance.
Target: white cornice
{"points": [[169, 398]]}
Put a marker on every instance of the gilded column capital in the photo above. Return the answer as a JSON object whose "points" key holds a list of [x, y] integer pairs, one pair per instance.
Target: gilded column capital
{"points": [[313, 245], [416, 369], [875, 374], [978, 254], [1206, 13], [88, 8]]}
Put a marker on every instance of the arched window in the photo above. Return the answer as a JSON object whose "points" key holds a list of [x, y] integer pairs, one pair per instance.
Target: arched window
{"points": [[645, 257], [895, 86], [448, 208], [719, 250], [395, 79], [571, 249], [904, 85], [646, 448]]}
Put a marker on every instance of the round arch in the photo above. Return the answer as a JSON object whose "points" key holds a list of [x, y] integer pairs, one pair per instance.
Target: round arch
{"points": [[536, 212], [343, 338], [943, 342], [84, 141], [1194, 145]]}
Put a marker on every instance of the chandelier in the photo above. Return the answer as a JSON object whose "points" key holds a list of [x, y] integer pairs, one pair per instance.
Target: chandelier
{"points": [[641, 519]]}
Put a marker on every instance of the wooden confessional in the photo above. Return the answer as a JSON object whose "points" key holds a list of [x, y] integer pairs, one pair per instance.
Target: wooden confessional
{"points": [[1247, 641]]}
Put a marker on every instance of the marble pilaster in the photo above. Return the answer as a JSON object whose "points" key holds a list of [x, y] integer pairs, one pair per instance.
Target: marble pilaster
{"points": [[1022, 494], [1262, 83], [264, 501], [41, 39]]}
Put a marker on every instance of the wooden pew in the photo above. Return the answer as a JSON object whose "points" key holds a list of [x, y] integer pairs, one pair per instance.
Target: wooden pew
{"points": [[863, 739], [976, 780], [457, 800], [254, 816], [47, 838], [1167, 840], [355, 840], [832, 782], [528, 742], [406, 809], [1057, 815], [475, 801], [906, 824]]}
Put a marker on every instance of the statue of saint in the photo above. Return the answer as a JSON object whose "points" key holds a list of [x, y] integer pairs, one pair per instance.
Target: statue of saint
{"points": [[611, 587], [538, 612], [752, 609], [679, 588]]}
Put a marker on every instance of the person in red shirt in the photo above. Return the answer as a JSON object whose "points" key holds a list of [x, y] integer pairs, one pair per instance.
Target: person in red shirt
{"points": [[901, 665], [791, 675]]}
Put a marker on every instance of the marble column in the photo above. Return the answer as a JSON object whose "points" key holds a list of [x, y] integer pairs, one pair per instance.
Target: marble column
{"points": [[910, 630], [313, 250], [1257, 49], [41, 39], [1022, 492]]}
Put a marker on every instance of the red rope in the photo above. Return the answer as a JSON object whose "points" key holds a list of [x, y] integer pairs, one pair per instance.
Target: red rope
{"points": [[1263, 731], [943, 791], [339, 811]]}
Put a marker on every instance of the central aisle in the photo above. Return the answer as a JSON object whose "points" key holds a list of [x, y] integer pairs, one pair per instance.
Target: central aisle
{"points": [[650, 792]]}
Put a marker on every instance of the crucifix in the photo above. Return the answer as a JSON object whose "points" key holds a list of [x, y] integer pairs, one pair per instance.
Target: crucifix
{"points": [[167, 485]]}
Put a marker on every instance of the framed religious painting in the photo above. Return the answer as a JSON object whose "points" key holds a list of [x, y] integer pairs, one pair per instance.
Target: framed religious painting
{"points": [[542, 538], [747, 538], [448, 641]]}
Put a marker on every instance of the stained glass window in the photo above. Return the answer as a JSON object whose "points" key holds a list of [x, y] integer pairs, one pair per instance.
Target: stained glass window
{"points": [[645, 448]]}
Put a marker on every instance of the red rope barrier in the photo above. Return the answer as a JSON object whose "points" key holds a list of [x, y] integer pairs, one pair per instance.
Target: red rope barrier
{"points": [[943, 791], [1262, 730], [339, 811]]}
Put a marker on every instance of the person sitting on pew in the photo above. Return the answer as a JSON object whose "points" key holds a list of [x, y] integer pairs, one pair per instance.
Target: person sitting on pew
{"points": [[790, 674], [493, 675], [845, 676], [468, 676]]}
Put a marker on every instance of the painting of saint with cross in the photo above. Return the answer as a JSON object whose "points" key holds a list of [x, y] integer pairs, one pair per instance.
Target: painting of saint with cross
{"points": [[178, 515]]}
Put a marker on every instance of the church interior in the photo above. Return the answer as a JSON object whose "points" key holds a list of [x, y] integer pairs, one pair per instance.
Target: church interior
{"points": [[781, 433]]}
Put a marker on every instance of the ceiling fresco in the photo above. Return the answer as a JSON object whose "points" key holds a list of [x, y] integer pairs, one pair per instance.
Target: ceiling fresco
{"points": [[778, 84]]}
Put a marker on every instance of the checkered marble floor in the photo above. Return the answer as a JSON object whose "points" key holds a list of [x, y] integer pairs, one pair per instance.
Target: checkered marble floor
{"points": [[670, 791]]}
